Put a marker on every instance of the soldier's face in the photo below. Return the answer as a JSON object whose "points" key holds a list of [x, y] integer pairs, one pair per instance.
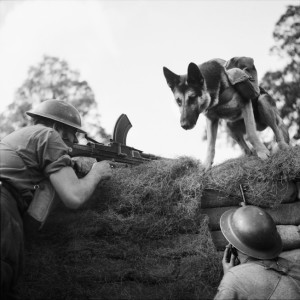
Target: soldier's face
{"points": [[70, 135]]}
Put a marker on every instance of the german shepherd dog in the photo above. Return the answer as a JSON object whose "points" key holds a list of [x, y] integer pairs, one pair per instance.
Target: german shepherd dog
{"points": [[207, 89]]}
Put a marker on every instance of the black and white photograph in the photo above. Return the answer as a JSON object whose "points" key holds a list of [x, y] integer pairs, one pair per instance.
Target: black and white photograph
{"points": [[150, 149]]}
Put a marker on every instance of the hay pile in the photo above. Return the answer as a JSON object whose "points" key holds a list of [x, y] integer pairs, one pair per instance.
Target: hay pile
{"points": [[162, 197], [264, 182], [142, 235]]}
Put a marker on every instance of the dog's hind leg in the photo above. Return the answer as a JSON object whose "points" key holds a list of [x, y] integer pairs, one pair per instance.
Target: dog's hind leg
{"points": [[270, 116], [247, 112], [237, 130]]}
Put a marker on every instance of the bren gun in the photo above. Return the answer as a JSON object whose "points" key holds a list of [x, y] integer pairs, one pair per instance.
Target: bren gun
{"points": [[116, 150]]}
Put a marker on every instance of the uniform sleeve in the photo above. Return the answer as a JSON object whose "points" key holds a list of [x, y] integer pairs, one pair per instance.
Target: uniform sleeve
{"points": [[230, 288], [52, 152]]}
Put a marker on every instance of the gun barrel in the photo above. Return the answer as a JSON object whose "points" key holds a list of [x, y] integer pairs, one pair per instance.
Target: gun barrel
{"points": [[150, 156], [115, 152]]}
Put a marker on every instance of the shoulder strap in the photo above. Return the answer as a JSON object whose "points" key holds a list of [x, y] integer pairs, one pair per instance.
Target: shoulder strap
{"points": [[282, 266]]}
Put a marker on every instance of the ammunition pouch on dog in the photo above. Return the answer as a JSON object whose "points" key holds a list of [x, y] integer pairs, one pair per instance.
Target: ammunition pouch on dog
{"points": [[243, 83]]}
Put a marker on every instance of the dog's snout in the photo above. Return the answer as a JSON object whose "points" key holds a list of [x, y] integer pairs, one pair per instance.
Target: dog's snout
{"points": [[185, 126]]}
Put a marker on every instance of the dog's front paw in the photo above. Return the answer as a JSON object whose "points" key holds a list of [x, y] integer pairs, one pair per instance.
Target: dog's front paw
{"points": [[207, 166], [263, 154]]}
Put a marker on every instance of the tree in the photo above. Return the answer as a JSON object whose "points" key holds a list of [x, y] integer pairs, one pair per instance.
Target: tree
{"points": [[53, 79], [284, 85]]}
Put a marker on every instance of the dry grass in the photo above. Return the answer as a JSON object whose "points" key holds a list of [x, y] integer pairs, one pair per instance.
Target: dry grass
{"points": [[260, 179], [142, 235]]}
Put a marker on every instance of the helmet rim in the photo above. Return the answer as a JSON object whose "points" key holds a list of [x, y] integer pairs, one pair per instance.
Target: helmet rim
{"points": [[58, 112], [50, 117], [227, 228]]}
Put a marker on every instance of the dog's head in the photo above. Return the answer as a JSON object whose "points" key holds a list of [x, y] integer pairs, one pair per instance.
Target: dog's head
{"points": [[190, 94]]}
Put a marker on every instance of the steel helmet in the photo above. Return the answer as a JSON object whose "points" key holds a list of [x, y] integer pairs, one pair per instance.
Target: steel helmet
{"points": [[58, 110], [252, 231]]}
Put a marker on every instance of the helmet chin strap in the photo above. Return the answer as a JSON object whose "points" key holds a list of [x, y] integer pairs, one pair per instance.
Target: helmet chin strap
{"points": [[58, 129], [55, 127], [61, 132]]}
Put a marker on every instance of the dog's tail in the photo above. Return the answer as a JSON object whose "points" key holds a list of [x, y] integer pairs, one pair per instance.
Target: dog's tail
{"points": [[279, 121]]}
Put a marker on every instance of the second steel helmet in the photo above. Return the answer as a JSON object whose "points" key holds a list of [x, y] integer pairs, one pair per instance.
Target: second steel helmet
{"points": [[252, 231], [58, 110]]}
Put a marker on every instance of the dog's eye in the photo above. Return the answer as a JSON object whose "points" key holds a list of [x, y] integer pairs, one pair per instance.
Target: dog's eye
{"points": [[179, 102]]}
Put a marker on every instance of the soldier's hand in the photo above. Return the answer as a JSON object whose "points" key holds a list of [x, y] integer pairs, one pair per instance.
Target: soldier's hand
{"points": [[103, 168], [83, 164], [228, 263]]}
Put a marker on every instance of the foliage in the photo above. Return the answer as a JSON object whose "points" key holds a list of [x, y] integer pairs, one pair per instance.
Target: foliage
{"points": [[53, 79], [284, 85]]}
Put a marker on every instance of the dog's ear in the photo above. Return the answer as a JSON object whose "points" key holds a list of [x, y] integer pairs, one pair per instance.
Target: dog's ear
{"points": [[172, 78], [194, 76]]}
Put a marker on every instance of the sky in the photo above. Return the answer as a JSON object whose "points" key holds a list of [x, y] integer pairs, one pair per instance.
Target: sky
{"points": [[120, 48]]}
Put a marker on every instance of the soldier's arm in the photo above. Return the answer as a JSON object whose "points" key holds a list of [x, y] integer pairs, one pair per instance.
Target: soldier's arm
{"points": [[74, 191]]}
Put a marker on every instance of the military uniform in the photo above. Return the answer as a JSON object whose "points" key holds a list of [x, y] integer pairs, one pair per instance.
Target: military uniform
{"points": [[27, 156], [261, 279]]}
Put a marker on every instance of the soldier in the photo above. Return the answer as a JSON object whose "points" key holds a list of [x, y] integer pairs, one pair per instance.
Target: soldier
{"points": [[252, 268], [28, 156]]}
